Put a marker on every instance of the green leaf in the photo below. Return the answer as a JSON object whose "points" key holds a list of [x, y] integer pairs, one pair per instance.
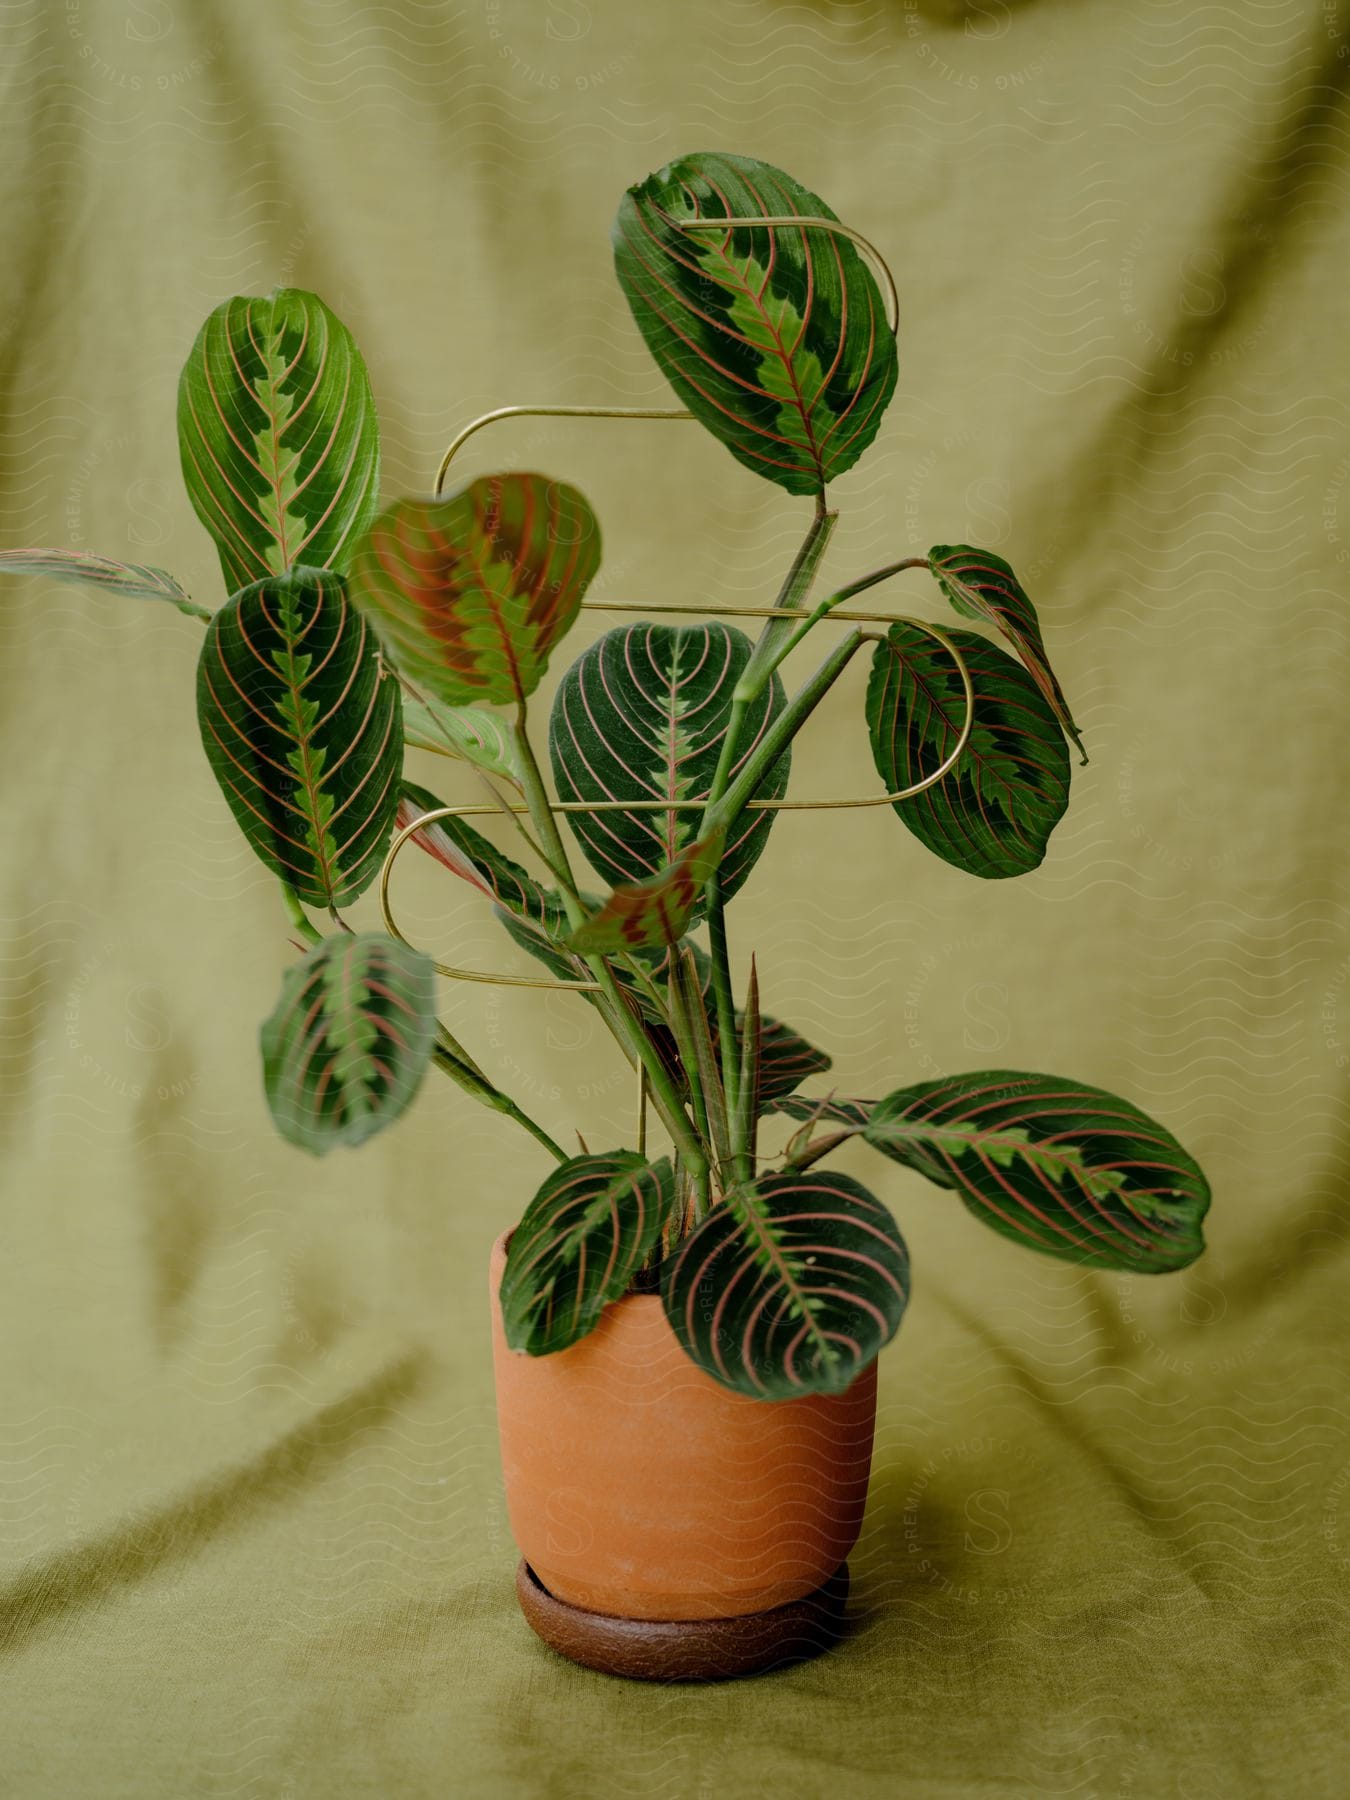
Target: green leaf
{"points": [[658, 911], [279, 440], [472, 734], [137, 581], [790, 1286], [350, 1039], [641, 715], [1053, 1164], [992, 814], [584, 1236], [980, 585], [301, 725], [774, 337], [471, 593]]}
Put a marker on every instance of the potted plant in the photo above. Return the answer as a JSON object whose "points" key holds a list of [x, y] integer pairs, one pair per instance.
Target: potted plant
{"points": [[685, 1341]]}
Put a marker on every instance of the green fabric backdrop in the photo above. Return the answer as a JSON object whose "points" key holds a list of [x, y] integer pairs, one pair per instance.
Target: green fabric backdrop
{"points": [[251, 1523]]}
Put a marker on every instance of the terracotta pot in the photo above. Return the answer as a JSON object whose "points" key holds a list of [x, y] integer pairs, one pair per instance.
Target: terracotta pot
{"points": [[639, 1487]]}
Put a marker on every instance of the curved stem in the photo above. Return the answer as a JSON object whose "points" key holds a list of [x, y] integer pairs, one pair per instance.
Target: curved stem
{"points": [[299, 918]]}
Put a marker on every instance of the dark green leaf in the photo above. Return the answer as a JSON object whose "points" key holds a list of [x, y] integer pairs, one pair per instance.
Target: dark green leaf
{"points": [[301, 725], [992, 814], [584, 1236], [641, 715], [790, 1286], [277, 428], [137, 581], [774, 337], [981, 585], [471, 593], [1053, 1164], [350, 1040]]}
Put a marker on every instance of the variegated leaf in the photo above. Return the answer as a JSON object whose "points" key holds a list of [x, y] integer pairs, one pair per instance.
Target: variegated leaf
{"points": [[583, 1238], [1053, 1164], [137, 581], [993, 812], [981, 585], [641, 715], [279, 440], [301, 725], [774, 337], [349, 1042], [658, 911], [790, 1286], [471, 593], [470, 733]]}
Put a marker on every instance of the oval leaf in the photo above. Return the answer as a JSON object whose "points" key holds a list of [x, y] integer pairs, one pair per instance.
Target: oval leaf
{"points": [[301, 725], [1053, 1164], [584, 1237], [658, 911], [471, 593], [774, 337], [641, 715], [279, 440], [350, 1040], [789, 1287], [992, 814], [137, 581], [980, 585]]}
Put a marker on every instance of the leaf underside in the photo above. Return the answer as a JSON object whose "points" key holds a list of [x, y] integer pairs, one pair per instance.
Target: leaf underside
{"points": [[583, 1238], [641, 716], [980, 585], [470, 734], [993, 812], [790, 1287], [279, 439], [471, 593], [774, 337], [135, 581], [349, 1042], [302, 728]]}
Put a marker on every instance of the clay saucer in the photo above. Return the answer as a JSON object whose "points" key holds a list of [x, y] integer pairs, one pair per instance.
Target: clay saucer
{"points": [[686, 1649]]}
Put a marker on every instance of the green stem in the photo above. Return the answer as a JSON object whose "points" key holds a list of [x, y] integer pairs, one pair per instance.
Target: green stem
{"points": [[466, 1076], [299, 918], [781, 733], [725, 1002], [765, 656], [626, 1029]]}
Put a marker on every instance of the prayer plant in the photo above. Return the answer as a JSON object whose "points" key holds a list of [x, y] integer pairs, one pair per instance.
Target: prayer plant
{"points": [[353, 630]]}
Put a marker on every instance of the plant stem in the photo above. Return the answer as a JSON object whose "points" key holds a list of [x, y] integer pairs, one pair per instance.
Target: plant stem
{"points": [[764, 657], [467, 1076], [781, 733], [724, 1000], [626, 1029], [299, 918]]}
